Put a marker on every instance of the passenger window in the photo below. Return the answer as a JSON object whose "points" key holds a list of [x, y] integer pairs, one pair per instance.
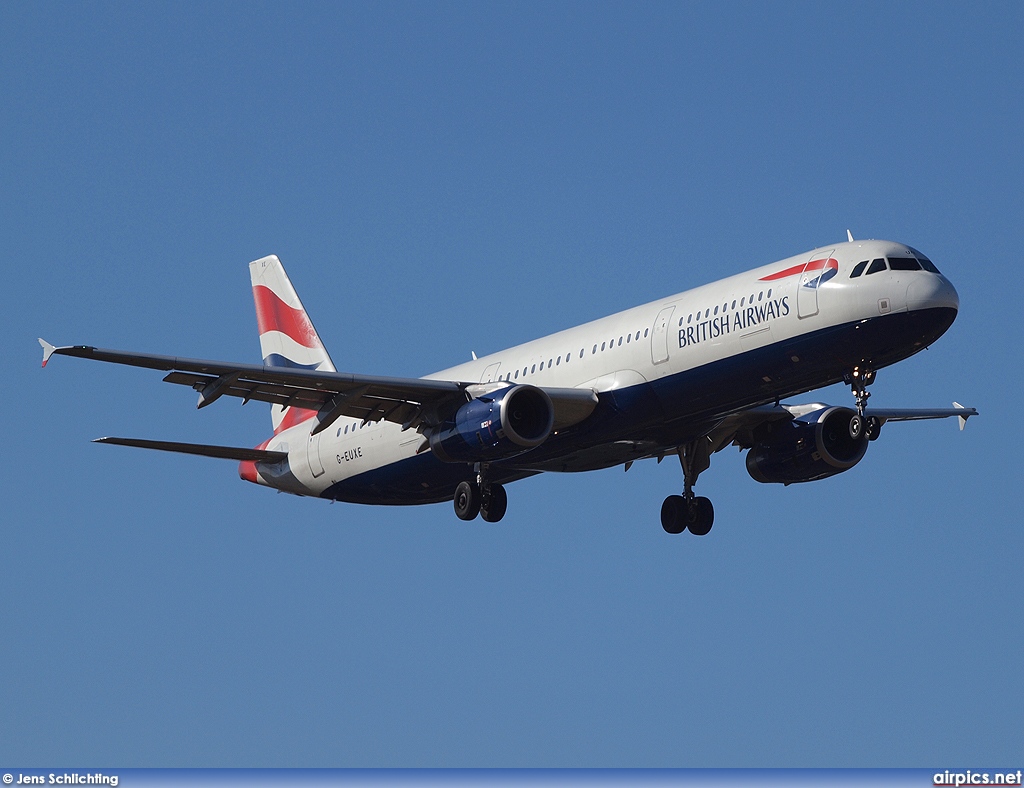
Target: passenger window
{"points": [[517, 374], [594, 351], [620, 341], [716, 309], [690, 318], [878, 264], [904, 264], [581, 352], [680, 321], [734, 303], [646, 332], [769, 292], [603, 346], [707, 313], [759, 295], [637, 337], [743, 301], [630, 336], [858, 269], [549, 363]]}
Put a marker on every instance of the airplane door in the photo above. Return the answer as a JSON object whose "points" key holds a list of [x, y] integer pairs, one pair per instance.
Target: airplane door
{"points": [[659, 336], [807, 289], [313, 455], [491, 373]]}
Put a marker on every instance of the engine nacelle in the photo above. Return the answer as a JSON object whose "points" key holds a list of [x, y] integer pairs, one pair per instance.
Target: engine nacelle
{"points": [[503, 424], [814, 446]]}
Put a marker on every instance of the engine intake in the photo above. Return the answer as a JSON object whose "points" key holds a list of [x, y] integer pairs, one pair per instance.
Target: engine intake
{"points": [[499, 425], [812, 447]]}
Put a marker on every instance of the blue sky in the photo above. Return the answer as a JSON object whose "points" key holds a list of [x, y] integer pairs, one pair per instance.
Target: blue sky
{"points": [[447, 178]]}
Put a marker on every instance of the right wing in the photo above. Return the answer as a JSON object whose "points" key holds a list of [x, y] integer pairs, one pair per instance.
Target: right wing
{"points": [[918, 414]]}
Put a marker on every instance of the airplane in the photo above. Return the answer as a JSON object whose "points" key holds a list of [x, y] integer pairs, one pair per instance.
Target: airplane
{"points": [[686, 375]]}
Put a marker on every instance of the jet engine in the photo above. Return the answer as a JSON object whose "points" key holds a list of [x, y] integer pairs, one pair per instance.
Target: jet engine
{"points": [[815, 446], [502, 424]]}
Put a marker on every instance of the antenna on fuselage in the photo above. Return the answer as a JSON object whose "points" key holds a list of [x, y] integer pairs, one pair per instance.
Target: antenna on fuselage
{"points": [[849, 235]]}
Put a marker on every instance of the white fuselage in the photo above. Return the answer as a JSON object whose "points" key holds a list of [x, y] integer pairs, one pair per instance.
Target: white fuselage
{"points": [[728, 319]]}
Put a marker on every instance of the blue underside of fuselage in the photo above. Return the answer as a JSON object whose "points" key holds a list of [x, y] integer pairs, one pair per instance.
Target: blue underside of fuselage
{"points": [[672, 410]]}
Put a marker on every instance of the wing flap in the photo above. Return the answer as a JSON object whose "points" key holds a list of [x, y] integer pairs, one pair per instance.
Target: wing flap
{"points": [[201, 449]]}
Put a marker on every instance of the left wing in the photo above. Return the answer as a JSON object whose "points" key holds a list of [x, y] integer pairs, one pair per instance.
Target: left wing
{"points": [[331, 394], [411, 402]]}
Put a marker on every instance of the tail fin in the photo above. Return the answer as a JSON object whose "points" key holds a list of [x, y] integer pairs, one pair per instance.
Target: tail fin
{"points": [[287, 336]]}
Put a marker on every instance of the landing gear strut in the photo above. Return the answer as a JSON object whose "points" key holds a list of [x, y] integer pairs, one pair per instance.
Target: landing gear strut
{"points": [[858, 380], [687, 511], [480, 497]]}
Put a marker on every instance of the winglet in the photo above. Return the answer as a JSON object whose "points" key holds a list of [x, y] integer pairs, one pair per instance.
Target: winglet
{"points": [[962, 419], [849, 235], [47, 350]]}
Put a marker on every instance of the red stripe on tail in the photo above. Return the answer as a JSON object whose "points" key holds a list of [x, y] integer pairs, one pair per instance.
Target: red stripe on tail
{"points": [[273, 314], [292, 417]]}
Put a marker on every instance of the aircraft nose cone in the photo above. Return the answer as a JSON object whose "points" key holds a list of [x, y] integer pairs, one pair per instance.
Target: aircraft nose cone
{"points": [[932, 292]]}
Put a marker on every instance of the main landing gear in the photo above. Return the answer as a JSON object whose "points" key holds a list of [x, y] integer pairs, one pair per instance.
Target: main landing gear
{"points": [[480, 497], [688, 512], [858, 380]]}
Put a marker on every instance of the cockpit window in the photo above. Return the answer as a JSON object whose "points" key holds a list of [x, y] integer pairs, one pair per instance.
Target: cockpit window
{"points": [[858, 269], [878, 264], [927, 264], [904, 264]]}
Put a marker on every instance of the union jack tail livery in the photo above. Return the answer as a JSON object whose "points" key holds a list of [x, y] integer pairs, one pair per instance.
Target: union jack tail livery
{"points": [[287, 336]]}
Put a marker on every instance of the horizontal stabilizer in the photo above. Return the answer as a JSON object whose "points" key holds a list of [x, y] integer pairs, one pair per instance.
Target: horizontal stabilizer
{"points": [[221, 452]]}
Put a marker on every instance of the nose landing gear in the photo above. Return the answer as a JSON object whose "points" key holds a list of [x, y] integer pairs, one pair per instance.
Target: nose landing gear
{"points": [[687, 511], [858, 379]]}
